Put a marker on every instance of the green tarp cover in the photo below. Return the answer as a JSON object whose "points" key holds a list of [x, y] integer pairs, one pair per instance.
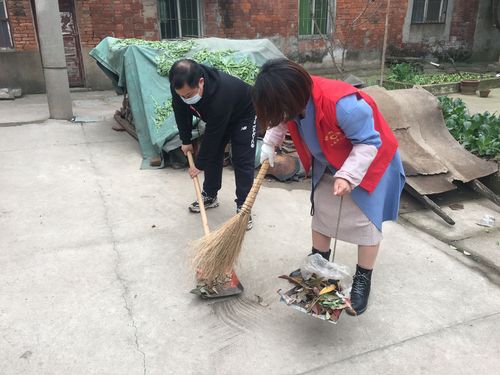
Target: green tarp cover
{"points": [[133, 68]]}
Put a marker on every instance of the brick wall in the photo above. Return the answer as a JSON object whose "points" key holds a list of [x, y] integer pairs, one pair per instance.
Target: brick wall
{"points": [[397, 17], [248, 19], [463, 22], [21, 25], [278, 20], [119, 18], [96, 19], [368, 31], [455, 35]]}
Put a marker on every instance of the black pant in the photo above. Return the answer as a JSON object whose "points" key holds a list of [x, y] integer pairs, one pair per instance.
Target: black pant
{"points": [[243, 143]]}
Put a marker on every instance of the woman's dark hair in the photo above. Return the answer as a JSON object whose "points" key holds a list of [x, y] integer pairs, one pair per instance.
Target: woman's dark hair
{"points": [[281, 92], [184, 72]]}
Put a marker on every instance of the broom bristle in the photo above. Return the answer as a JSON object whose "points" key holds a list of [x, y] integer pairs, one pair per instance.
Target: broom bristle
{"points": [[217, 252]]}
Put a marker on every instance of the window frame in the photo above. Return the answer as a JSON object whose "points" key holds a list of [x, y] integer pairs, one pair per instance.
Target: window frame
{"points": [[179, 21], [9, 30], [442, 13], [313, 33]]}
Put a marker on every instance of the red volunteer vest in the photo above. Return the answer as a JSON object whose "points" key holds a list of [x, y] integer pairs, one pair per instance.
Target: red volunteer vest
{"points": [[334, 144]]}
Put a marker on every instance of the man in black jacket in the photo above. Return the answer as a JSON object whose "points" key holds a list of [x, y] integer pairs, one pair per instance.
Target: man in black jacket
{"points": [[225, 104]]}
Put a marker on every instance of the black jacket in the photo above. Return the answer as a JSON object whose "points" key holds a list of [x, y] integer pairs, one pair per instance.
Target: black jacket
{"points": [[226, 100]]}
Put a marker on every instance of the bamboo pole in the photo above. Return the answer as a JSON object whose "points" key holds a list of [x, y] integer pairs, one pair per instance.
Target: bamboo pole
{"points": [[384, 47], [197, 188]]}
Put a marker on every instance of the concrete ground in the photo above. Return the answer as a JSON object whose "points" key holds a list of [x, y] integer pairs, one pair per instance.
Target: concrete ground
{"points": [[87, 106], [94, 273], [476, 104]]}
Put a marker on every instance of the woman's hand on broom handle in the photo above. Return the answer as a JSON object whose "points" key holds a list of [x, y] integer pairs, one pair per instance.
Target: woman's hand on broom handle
{"points": [[341, 187], [267, 153]]}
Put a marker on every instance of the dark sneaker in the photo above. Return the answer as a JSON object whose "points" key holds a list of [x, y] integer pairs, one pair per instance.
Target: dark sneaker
{"points": [[360, 291], [208, 202], [250, 221]]}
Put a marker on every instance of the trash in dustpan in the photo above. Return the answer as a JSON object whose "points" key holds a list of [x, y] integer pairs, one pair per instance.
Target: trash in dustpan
{"points": [[320, 289], [223, 286]]}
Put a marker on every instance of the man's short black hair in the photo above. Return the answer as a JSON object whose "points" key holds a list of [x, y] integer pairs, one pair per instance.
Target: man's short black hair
{"points": [[185, 71]]}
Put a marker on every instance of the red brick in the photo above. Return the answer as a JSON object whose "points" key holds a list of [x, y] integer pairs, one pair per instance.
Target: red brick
{"points": [[242, 19]]}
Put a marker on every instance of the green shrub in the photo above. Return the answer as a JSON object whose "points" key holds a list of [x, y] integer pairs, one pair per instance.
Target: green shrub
{"points": [[408, 73], [478, 133], [402, 73]]}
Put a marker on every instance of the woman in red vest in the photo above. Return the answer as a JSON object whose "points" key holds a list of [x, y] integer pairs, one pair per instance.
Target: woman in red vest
{"points": [[356, 169]]}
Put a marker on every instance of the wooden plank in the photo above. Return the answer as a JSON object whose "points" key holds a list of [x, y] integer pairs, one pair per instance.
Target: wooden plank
{"points": [[126, 125], [71, 43], [427, 202], [482, 189]]}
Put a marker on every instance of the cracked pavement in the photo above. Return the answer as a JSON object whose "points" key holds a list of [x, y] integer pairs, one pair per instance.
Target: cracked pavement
{"points": [[95, 274]]}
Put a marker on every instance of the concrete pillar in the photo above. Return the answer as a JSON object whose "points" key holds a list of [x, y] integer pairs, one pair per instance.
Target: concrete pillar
{"points": [[53, 59]]}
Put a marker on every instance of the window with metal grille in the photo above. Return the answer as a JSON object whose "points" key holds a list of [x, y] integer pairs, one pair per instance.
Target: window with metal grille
{"points": [[313, 17], [179, 18], [429, 11], [5, 37]]}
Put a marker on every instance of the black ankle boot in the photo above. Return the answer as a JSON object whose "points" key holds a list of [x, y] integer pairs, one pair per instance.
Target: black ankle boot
{"points": [[360, 291], [324, 254]]}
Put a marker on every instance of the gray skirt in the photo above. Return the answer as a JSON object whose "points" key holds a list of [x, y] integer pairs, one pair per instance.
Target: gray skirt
{"points": [[354, 226]]}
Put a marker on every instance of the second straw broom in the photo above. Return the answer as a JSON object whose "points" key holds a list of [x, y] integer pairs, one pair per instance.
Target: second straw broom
{"points": [[218, 251]]}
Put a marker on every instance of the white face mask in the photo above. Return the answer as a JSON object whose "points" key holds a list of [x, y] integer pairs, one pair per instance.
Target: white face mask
{"points": [[192, 100]]}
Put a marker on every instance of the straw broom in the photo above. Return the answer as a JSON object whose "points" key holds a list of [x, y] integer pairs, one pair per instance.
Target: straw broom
{"points": [[218, 251]]}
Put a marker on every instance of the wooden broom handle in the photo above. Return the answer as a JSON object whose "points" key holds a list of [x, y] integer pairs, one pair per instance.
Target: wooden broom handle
{"points": [[257, 182], [197, 187]]}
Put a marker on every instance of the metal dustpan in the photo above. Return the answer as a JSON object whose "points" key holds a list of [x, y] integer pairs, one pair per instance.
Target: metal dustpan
{"points": [[316, 296], [230, 286], [318, 290], [333, 318]]}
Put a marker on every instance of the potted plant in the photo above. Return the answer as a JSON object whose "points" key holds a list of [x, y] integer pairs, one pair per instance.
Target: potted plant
{"points": [[469, 86], [484, 93]]}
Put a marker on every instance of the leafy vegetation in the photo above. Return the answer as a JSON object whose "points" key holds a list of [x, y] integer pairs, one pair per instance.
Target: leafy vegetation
{"points": [[174, 51], [122, 43], [408, 73], [171, 51], [162, 112], [478, 133], [161, 45], [224, 60]]}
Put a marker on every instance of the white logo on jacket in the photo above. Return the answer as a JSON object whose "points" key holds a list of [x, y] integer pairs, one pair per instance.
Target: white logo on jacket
{"points": [[254, 131]]}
